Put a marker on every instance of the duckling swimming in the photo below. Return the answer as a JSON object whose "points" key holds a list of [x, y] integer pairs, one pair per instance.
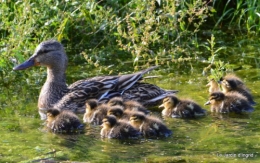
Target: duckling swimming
{"points": [[99, 114], [63, 121], [149, 126], [91, 107], [213, 86], [128, 104], [176, 108], [230, 102], [235, 85], [120, 113], [114, 129]]}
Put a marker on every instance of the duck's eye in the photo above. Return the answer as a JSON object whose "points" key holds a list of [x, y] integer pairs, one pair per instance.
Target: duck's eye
{"points": [[166, 99]]}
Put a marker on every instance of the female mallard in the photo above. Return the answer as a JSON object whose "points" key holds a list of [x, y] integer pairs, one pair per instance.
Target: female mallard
{"points": [[230, 102], [56, 94], [149, 126], [235, 84], [117, 129], [179, 108], [63, 121]]}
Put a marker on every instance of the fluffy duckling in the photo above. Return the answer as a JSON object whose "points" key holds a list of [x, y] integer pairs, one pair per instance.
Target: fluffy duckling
{"points": [[120, 113], [99, 114], [233, 77], [213, 86], [91, 107], [128, 105], [230, 102], [114, 129], [235, 85], [177, 108], [62, 121], [149, 126]]}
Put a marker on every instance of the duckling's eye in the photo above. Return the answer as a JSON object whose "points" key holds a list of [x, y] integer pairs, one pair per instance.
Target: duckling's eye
{"points": [[166, 100]]}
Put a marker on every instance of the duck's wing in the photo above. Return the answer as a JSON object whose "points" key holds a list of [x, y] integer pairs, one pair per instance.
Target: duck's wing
{"points": [[147, 94], [75, 99]]}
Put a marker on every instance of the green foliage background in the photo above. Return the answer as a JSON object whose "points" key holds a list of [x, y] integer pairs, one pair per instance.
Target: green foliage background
{"points": [[114, 33]]}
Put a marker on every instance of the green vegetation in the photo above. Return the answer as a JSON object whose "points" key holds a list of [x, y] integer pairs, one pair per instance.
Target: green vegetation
{"points": [[109, 34]]}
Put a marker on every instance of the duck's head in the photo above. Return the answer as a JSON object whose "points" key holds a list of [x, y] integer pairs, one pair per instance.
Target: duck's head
{"points": [[91, 105], [48, 53], [233, 77], [116, 111], [215, 97], [228, 84], [137, 119], [51, 114], [109, 121], [213, 86], [169, 102], [116, 101]]}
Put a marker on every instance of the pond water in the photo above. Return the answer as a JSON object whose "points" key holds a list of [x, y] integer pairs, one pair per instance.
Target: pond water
{"points": [[213, 138]]}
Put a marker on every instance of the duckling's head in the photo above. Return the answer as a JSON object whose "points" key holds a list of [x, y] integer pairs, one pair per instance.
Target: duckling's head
{"points": [[48, 53], [232, 77], [116, 101], [213, 86], [51, 114], [228, 85], [109, 121], [91, 104], [137, 119], [116, 111], [215, 98], [169, 102]]}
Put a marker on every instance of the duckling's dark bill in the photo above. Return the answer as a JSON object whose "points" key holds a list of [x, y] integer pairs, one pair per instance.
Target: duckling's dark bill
{"points": [[25, 65]]}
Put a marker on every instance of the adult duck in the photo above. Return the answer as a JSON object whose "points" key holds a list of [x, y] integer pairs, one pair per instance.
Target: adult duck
{"points": [[56, 94]]}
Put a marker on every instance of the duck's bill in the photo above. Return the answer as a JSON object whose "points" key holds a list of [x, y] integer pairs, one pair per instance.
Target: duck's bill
{"points": [[25, 65], [161, 106], [207, 103]]}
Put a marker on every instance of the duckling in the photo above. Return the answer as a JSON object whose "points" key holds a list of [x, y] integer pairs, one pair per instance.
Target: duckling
{"points": [[238, 80], [235, 85], [128, 105], [230, 102], [91, 107], [177, 108], [62, 121], [213, 86], [99, 114], [114, 129], [120, 113], [149, 126]]}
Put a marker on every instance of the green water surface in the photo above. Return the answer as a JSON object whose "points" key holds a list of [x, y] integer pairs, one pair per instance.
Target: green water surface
{"points": [[213, 138]]}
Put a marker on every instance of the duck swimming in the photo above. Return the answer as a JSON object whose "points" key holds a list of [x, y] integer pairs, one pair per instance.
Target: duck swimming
{"points": [[56, 94], [128, 104], [179, 108], [149, 126], [91, 107], [230, 102], [235, 84], [63, 121], [117, 129], [213, 86]]}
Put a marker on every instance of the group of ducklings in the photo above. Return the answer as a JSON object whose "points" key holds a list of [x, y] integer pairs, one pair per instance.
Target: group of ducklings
{"points": [[129, 119]]}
